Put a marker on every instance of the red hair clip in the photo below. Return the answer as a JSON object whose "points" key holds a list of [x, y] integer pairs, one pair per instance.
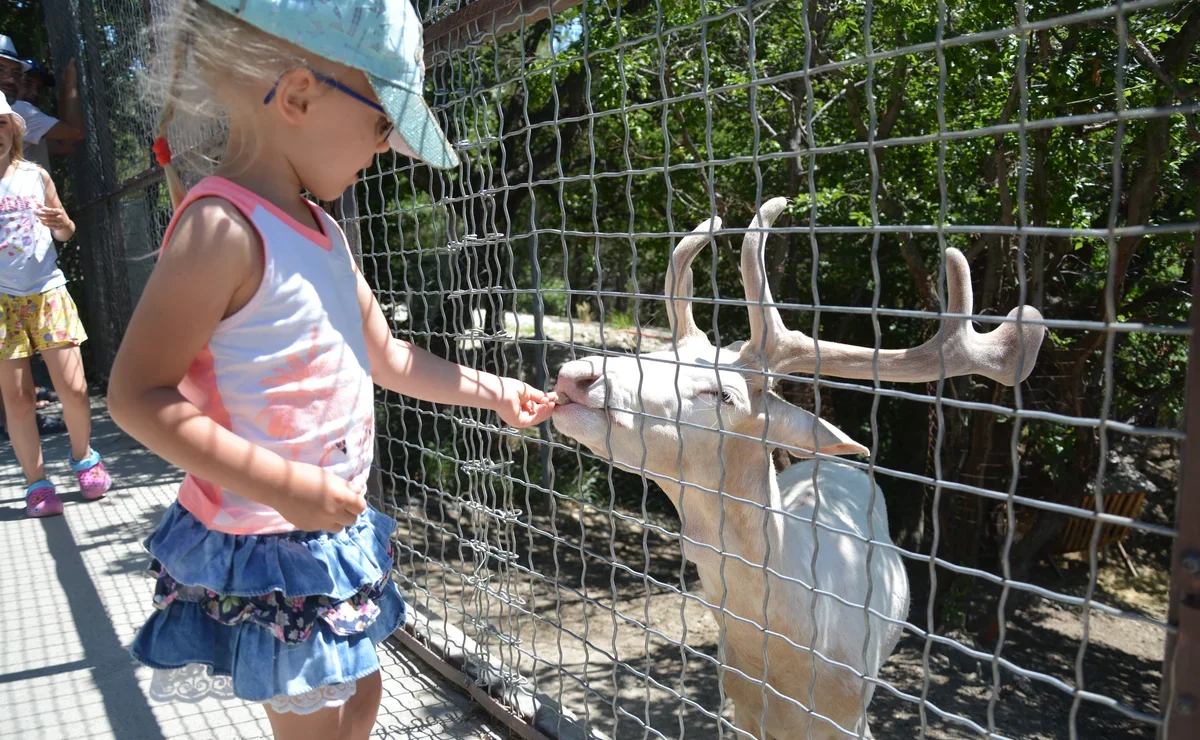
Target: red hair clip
{"points": [[162, 151]]}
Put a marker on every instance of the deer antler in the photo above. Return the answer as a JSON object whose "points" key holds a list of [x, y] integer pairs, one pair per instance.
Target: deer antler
{"points": [[766, 326], [996, 354], [678, 289]]}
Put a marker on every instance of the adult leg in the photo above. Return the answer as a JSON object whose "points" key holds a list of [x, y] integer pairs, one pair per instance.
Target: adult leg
{"points": [[66, 372], [16, 386]]}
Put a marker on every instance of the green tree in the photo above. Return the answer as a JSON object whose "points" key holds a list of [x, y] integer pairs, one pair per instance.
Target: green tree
{"points": [[619, 123]]}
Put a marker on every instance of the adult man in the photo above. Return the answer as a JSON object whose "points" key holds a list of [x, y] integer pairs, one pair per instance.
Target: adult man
{"points": [[44, 134], [12, 69]]}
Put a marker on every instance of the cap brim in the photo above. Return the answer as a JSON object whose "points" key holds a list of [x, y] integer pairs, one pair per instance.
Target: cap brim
{"points": [[415, 123]]}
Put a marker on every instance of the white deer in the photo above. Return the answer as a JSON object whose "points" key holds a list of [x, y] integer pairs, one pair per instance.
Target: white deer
{"points": [[694, 420]]}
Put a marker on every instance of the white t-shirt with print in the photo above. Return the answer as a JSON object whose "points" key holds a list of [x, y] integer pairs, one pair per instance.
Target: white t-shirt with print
{"points": [[37, 125], [28, 260]]}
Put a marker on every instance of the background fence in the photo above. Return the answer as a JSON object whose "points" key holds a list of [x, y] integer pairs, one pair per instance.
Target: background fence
{"points": [[1054, 143]]}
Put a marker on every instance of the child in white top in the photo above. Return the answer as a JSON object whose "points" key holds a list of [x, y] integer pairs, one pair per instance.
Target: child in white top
{"points": [[251, 359], [38, 315]]}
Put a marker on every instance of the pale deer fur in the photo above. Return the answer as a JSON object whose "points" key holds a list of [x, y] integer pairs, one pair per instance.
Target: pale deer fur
{"points": [[669, 416]]}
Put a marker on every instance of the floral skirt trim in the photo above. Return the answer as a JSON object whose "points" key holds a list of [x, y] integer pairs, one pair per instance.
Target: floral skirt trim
{"points": [[196, 682], [290, 620]]}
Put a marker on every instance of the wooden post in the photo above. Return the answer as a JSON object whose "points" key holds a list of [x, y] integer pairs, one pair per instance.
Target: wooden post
{"points": [[1179, 698]]}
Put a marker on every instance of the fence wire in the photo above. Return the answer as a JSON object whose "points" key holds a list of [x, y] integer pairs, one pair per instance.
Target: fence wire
{"points": [[687, 568]]}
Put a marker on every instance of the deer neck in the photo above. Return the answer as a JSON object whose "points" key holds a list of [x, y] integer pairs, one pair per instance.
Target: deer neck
{"points": [[738, 521]]}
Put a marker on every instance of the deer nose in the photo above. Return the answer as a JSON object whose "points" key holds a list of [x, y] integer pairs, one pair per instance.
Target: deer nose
{"points": [[574, 380]]}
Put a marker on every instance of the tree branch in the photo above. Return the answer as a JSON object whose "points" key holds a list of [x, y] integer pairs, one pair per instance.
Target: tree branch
{"points": [[687, 137], [920, 275], [1143, 188], [1175, 52], [1146, 58], [899, 87]]}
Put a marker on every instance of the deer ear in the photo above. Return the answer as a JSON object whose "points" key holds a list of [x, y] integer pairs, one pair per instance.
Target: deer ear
{"points": [[792, 426]]}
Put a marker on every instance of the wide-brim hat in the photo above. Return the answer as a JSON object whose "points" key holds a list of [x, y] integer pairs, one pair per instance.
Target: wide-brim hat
{"points": [[6, 110], [9, 51], [383, 38]]}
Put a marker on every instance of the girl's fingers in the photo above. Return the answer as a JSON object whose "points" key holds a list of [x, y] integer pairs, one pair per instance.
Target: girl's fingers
{"points": [[535, 395], [536, 415], [52, 217]]}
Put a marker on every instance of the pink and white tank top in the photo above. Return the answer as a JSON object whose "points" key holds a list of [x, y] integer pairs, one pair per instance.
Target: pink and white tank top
{"points": [[289, 371]]}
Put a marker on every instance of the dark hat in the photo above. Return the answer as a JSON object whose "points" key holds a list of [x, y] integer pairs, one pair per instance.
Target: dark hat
{"points": [[37, 70]]}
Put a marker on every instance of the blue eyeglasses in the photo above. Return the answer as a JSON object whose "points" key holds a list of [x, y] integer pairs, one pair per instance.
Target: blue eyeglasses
{"points": [[326, 80]]}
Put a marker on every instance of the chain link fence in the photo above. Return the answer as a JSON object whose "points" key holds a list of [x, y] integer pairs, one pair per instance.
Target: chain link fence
{"points": [[1038, 530]]}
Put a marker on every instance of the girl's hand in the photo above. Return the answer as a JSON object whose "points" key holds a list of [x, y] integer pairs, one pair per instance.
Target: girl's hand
{"points": [[53, 218], [316, 499], [522, 405]]}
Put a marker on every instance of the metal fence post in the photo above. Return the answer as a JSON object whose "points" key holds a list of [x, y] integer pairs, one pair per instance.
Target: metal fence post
{"points": [[1180, 697], [74, 35]]}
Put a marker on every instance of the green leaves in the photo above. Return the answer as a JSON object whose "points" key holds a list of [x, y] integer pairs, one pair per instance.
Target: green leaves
{"points": [[626, 123]]}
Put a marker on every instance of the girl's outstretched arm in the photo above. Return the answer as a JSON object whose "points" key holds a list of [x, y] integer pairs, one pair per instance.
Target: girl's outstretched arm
{"points": [[403, 367], [210, 268]]}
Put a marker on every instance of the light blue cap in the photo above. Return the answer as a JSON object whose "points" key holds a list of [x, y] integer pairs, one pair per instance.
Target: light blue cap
{"points": [[383, 38]]}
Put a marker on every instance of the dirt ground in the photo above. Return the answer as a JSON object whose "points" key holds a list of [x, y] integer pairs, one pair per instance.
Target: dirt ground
{"points": [[591, 610]]}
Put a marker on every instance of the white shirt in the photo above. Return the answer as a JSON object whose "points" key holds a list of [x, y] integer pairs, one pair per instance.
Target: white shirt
{"points": [[28, 261], [37, 125], [289, 371]]}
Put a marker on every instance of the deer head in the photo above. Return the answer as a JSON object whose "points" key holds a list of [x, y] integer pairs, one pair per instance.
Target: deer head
{"points": [[659, 411]]}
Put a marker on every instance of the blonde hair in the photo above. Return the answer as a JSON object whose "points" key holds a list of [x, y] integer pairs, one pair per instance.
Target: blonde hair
{"points": [[202, 49], [17, 150]]}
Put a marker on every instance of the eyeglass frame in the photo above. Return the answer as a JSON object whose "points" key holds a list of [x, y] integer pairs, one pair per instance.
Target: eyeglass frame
{"points": [[327, 80]]}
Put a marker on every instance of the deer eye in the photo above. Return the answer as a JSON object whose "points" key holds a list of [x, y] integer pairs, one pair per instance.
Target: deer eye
{"points": [[724, 394]]}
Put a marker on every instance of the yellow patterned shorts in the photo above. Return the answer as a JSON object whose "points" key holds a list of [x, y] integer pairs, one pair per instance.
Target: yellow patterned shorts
{"points": [[33, 323]]}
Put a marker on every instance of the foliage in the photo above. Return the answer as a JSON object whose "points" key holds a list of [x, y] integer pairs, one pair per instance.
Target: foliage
{"points": [[621, 124]]}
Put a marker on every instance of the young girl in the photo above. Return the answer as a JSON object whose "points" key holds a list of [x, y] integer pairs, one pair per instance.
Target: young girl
{"points": [[251, 358], [38, 315]]}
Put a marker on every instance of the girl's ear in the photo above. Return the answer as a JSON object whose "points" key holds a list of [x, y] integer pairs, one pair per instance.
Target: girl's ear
{"points": [[295, 92]]}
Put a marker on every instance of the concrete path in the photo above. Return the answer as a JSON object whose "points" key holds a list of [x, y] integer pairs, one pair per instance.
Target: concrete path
{"points": [[74, 593]]}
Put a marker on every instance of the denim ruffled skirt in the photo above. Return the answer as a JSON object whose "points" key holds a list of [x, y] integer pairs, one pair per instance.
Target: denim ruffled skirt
{"points": [[279, 614]]}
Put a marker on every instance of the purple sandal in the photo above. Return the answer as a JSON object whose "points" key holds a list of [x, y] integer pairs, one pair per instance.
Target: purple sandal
{"points": [[94, 480], [42, 500]]}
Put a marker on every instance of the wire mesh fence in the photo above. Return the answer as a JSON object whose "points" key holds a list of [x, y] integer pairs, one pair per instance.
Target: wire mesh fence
{"points": [[671, 557], [119, 203]]}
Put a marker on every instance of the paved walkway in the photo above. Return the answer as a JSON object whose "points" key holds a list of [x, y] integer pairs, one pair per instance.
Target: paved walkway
{"points": [[74, 594]]}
